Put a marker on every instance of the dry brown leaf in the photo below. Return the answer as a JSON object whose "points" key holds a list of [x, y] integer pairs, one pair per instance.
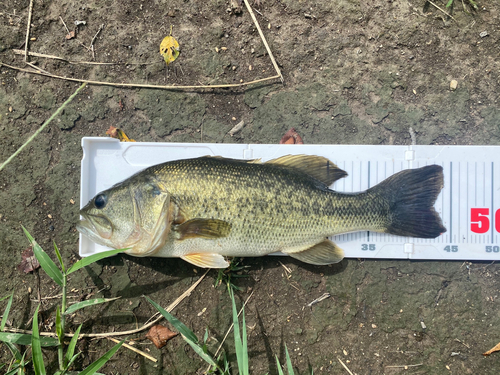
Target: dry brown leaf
{"points": [[29, 263], [118, 134], [291, 137], [159, 335], [496, 348]]}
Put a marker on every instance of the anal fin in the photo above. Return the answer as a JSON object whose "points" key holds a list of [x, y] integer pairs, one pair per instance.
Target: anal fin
{"points": [[325, 252], [206, 260]]}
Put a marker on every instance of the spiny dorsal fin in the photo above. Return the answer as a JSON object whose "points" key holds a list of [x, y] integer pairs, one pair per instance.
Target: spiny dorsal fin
{"points": [[318, 167], [202, 228]]}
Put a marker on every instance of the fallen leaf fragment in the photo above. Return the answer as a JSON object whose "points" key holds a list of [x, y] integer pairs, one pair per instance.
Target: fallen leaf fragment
{"points": [[496, 348], [71, 35], [29, 263], [236, 128], [169, 48], [159, 335], [118, 134], [291, 137]]}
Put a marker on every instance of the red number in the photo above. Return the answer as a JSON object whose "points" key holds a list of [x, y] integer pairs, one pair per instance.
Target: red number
{"points": [[497, 221], [479, 220]]}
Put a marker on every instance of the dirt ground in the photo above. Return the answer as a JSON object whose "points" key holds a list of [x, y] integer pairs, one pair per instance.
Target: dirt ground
{"points": [[355, 72]]}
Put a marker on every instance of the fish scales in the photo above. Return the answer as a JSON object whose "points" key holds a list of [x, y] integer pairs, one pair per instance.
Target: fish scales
{"points": [[270, 209]]}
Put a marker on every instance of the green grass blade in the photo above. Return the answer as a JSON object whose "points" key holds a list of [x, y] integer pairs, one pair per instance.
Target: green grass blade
{"points": [[70, 362], [94, 367], [35, 134], [289, 365], [6, 311], [199, 350], [46, 263], [24, 339], [91, 302], [56, 249], [13, 349], [449, 3], [36, 348], [278, 364], [15, 370], [240, 340], [179, 326], [68, 358], [59, 328], [91, 259]]}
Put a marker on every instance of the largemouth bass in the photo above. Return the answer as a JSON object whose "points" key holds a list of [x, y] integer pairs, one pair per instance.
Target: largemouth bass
{"points": [[206, 209]]}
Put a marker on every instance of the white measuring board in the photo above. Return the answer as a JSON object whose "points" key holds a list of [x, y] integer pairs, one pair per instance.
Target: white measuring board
{"points": [[469, 203]]}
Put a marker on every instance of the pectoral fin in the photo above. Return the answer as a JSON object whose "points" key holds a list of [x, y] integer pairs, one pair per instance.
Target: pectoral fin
{"points": [[202, 228], [325, 252], [206, 260]]}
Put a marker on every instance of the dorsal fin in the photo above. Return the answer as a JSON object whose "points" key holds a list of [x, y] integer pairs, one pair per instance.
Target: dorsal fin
{"points": [[318, 167]]}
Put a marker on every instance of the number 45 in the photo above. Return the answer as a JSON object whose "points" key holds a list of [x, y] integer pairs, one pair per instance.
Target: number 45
{"points": [[452, 248]]}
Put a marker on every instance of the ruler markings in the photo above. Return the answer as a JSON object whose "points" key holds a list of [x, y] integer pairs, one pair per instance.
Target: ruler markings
{"points": [[468, 208], [492, 205], [451, 201], [484, 184], [475, 183], [459, 203]]}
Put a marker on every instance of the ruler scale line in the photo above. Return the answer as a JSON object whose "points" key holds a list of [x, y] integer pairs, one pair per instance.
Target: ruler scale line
{"points": [[492, 204], [451, 202]]}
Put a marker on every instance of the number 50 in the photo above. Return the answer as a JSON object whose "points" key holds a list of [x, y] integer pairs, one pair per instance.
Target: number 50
{"points": [[480, 220]]}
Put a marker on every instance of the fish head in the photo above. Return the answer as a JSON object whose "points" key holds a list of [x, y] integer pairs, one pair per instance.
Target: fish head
{"points": [[133, 214]]}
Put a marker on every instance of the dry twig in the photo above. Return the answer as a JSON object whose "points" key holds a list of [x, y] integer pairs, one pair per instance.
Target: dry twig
{"points": [[343, 364], [264, 40], [26, 42], [150, 357], [135, 85], [445, 12]]}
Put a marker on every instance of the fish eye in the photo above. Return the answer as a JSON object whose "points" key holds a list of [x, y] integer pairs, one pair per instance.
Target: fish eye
{"points": [[100, 201]]}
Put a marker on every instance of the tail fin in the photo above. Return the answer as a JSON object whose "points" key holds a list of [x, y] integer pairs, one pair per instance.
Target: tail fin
{"points": [[411, 195]]}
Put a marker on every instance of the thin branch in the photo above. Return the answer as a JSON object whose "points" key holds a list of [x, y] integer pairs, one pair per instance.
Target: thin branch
{"points": [[36, 54], [445, 12], [343, 364], [134, 85], [150, 357], [93, 40], [264, 40], [28, 32], [405, 366]]}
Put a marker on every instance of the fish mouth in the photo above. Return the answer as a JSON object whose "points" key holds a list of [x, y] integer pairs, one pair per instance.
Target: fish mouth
{"points": [[101, 233]]}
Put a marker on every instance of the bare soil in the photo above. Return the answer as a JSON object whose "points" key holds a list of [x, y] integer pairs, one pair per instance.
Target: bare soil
{"points": [[355, 72]]}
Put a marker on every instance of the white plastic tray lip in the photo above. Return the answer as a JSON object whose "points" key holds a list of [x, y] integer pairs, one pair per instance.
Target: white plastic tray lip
{"points": [[102, 153]]}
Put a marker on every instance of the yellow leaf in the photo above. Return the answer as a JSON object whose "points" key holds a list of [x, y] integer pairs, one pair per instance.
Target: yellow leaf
{"points": [[169, 49]]}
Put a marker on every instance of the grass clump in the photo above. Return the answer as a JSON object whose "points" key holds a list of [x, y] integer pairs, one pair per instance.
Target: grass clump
{"points": [[20, 363]]}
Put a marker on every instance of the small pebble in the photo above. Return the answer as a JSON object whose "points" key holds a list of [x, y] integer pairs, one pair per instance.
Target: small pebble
{"points": [[483, 34], [453, 85]]}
